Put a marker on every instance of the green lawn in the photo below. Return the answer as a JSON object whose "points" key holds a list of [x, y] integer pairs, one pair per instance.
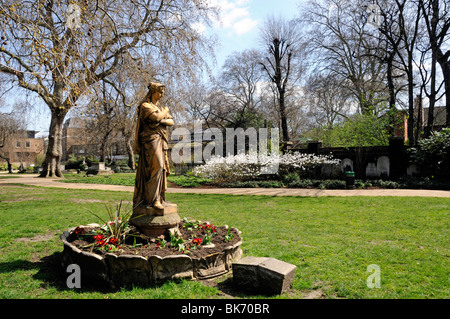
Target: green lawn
{"points": [[331, 240], [127, 179]]}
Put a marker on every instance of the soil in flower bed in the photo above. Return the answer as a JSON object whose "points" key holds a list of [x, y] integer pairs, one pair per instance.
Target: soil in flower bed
{"points": [[141, 245]]}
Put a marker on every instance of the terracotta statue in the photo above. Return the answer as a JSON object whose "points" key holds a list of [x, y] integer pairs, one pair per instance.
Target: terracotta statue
{"points": [[151, 143]]}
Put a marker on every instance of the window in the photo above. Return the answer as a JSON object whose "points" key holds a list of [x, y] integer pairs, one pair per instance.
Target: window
{"points": [[18, 144], [27, 144]]}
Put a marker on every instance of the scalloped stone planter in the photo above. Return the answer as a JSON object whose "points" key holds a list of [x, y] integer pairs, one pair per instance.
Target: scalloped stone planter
{"points": [[125, 270]]}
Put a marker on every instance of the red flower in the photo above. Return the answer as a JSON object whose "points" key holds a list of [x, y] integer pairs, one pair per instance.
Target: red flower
{"points": [[197, 241], [209, 227], [79, 231], [101, 243], [113, 241], [99, 239]]}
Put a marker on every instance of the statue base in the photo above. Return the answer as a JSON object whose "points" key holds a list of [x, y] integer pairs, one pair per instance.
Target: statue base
{"points": [[155, 222]]}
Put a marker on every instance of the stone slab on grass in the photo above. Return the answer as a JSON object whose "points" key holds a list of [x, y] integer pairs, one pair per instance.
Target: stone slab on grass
{"points": [[263, 275]]}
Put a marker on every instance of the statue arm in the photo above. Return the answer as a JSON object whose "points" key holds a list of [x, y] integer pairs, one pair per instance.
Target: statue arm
{"points": [[167, 122], [150, 112]]}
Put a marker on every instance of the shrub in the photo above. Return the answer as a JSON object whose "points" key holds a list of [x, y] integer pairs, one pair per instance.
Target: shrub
{"points": [[290, 178], [385, 184], [302, 183], [432, 155], [187, 180], [332, 184], [250, 167]]}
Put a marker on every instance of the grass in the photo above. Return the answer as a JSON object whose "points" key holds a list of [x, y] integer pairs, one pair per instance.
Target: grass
{"points": [[126, 179], [331, 240]]}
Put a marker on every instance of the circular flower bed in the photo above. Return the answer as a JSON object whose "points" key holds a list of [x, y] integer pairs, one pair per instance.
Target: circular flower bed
{"points": [[196, 250]]}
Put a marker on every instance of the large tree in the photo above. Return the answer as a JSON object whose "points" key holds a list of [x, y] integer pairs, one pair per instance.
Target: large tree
{"points": [[400, 27], [339, 46], [282, 42], [60, 49], [436, 17], [328, 101], [241, 74]]}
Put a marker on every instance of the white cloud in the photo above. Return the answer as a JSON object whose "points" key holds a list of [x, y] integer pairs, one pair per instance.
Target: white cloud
{"points": [[234, 16], [244, 26]]}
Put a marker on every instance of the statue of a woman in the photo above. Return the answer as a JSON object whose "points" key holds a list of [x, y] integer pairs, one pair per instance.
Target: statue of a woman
{"points": [[151, 143]]}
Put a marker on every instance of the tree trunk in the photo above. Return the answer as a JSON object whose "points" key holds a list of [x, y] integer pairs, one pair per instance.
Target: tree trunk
{"points": [[431, 98], [51, 165], [284, 126], [411, 103], [391, 88], [131, 162], [445, 66]]}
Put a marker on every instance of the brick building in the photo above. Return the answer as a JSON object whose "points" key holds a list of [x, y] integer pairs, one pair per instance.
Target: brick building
{"points": [[79, 142], [23, 148]]}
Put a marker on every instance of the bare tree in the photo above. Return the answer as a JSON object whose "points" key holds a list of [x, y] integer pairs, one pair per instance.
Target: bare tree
{"points": [[281, 40], [401, 25], [436, 17], [338, 45], [59, 50], [328, 101], [239, 81], [233, 99]]}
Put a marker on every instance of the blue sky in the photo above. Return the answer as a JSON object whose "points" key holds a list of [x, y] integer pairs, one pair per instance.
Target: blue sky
{"points": [[240, 20]]}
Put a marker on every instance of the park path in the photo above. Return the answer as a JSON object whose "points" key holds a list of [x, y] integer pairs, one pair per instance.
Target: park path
{"points": [[32, 179]]}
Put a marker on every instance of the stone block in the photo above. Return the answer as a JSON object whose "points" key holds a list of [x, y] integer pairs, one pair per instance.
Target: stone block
{"points": [[263, 275]]}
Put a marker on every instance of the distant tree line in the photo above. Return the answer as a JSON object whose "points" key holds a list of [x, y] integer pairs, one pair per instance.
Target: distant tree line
{"points": [[339, 68]]}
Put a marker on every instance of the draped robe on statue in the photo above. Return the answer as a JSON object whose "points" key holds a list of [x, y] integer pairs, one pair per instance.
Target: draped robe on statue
{"points": [[151, 143]]}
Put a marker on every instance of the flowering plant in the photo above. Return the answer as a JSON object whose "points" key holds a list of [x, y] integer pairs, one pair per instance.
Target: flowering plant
{"points": [[208, 231], [228, 236], [112, 233], [249, 166]]}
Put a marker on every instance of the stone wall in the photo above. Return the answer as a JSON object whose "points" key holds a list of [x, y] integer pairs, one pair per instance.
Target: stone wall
{"points": [[367, 162]]}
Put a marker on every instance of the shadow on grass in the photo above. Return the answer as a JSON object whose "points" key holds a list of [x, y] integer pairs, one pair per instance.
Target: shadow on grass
{"points": [[228, 288], [51, 273]]}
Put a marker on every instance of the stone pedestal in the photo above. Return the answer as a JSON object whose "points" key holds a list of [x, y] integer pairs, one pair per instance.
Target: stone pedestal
{"points": [[156, 222]]}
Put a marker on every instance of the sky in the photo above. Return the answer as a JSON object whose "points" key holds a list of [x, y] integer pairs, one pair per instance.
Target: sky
{"points": [[240, 20], [236, 30]]}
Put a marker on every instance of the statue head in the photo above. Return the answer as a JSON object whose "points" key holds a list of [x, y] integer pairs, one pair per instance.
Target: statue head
{"points": [[154, 87]]}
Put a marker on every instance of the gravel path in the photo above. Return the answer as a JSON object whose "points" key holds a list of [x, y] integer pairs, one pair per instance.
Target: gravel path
{"points": [[50, 182]]}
